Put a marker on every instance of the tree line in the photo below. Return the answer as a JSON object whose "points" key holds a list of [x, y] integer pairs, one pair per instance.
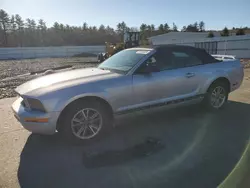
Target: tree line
{"points": [[225, 32], [16, 32]]}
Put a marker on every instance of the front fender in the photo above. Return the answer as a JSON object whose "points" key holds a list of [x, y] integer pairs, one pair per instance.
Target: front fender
{"points": [[56, 101], [61, 104]]}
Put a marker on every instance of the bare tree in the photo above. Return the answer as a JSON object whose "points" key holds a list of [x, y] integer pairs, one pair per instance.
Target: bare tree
{"points": [[101, 28], [13, 25], [225, 32], [166, 27], [121, 28], [20, 28], [84, 26], [133, 29], [109, 30], [175, 28], [201, 26], [152, 27], [143, 27], [161, 28], [42, 28], [4, 22], [149, 28]]}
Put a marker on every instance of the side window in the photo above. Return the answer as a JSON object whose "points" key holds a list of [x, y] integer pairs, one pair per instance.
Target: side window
{"points": [[169, 60], [161, 61], [185, 59], [151, 60], [179, 59], [164, 60]]}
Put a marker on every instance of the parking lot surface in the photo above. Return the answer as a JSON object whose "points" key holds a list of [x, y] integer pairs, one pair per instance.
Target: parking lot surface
{"points": [[183, 147]]}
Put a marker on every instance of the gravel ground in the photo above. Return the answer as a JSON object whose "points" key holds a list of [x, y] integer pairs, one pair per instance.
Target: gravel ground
{"points": [[245, 62], [11, 70]]}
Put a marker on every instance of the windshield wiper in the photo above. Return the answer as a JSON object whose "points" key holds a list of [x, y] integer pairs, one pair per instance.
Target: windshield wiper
{"points": [[104, 68], [112, 70]]}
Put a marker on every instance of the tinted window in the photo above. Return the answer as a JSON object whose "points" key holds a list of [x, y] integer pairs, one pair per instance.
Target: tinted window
{"points": [[164, 60], [185, 59], [173, 59], [180, 54]]}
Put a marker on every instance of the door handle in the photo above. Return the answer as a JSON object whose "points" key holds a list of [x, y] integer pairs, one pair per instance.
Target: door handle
{"points": [[190, 74]]}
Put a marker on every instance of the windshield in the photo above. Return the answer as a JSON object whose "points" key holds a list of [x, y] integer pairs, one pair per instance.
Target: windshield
{"points": [[124, 60]]}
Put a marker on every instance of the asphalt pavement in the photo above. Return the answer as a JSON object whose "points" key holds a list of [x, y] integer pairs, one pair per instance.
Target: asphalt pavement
{"points": [[183, 147]]}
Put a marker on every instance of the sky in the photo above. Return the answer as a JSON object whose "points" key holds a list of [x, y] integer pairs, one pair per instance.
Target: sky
{"points": [[215, 13]]}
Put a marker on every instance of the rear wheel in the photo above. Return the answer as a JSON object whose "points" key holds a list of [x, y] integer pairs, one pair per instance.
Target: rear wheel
{"points": [[216, 96], [84, 121]]}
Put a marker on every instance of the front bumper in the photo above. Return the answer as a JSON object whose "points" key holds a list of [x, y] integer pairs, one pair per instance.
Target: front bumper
{"points": [[22, 115]]}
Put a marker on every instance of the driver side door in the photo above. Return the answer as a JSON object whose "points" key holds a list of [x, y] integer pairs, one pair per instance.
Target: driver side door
{"points": [[165, 83]]}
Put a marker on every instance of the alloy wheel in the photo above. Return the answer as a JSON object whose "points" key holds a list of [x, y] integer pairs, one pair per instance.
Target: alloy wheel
{"points": [[218, 97], [86, 123]]}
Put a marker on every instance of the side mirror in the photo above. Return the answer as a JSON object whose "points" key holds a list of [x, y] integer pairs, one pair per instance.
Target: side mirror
{"points": [[148, 68]]}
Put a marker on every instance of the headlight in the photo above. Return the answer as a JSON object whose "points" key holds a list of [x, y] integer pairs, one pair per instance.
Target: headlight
{"points": [[33, 104], [25, 103]]}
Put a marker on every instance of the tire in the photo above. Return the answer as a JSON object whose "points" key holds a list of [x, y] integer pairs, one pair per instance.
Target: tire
{"points": [[210, 100], [70, 122]]}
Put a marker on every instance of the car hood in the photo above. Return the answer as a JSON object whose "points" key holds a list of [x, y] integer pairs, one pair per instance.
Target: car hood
{"points": [[65, 79]]}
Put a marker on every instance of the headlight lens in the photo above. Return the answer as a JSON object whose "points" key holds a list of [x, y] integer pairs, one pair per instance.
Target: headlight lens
{"points": [[25, 103], [33, 104]]}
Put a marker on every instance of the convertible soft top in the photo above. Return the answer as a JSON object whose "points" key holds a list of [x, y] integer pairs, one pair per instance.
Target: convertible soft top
{"points": [[201, 53]]}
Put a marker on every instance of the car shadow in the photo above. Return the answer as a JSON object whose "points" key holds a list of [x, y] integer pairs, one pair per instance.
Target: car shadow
{"points": [[174, 148]]}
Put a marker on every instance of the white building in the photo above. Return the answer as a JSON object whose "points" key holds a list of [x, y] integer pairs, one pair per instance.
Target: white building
{"points": [[238, 46]]}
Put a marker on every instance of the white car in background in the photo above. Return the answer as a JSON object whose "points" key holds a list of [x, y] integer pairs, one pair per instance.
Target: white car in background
{"points": [[223, 57]]}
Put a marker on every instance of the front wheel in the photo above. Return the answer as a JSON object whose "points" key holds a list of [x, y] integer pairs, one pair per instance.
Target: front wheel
{"points": [[216, 96], [85, 121]]}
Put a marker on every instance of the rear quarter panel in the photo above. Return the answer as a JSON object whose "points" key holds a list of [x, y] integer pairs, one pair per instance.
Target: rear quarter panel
{"points": [[231, 69]]}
